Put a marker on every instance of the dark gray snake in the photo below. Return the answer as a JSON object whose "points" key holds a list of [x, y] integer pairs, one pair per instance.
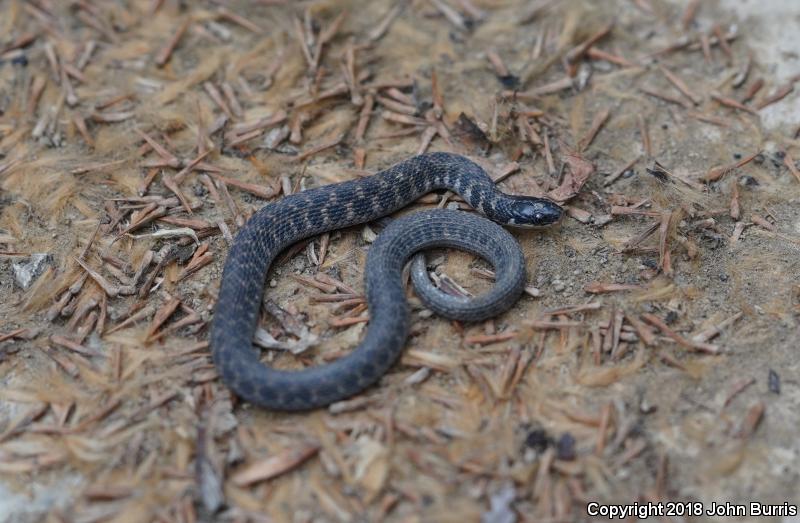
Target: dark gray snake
{"points": [[305, 214]]}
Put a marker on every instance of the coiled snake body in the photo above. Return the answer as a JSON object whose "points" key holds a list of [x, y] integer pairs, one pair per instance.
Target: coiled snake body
{"points": [[305, 214]]}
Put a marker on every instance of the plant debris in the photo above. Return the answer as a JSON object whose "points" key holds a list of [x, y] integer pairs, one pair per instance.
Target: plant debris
{"points": [[651, 357]]}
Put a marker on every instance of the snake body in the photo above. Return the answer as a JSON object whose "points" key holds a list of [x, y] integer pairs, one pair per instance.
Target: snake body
{"points": [[298, 216]]}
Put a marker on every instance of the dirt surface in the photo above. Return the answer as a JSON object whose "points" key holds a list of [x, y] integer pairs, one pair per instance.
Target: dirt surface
{"points": [[654, 357]]}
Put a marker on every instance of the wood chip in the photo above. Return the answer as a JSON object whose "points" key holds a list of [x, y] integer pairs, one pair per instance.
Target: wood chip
{"points": [[274, 466]]}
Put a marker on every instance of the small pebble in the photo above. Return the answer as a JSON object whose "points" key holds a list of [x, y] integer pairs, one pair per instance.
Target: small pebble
{"points": [[26, 272], [538, 440], [273, 283], [645, 407], [565, 448], [559, 285], [530, 290], [748, 181], [774, 382], [368, 234], [199, 190], [602, 219], [509, 81], [276, 136]]}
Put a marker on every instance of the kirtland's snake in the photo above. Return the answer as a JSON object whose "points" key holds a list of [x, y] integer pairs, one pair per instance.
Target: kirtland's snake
{"points": [[305, 214]]}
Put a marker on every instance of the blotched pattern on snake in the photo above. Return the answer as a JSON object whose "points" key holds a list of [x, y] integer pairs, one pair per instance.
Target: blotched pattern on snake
{"points": [[298, 216]]}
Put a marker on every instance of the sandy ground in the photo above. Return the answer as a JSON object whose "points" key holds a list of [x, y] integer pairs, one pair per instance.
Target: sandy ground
{"points": [[500, 421], [775, 44]]}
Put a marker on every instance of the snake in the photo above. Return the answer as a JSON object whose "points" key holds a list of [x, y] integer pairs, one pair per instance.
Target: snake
{"points": [[305, 214]]}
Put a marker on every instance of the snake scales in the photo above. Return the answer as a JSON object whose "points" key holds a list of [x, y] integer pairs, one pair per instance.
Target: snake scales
{"points": [[305, 214]]}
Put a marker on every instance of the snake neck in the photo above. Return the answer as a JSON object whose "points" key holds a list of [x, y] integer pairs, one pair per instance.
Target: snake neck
{"points": [[471, 182]]}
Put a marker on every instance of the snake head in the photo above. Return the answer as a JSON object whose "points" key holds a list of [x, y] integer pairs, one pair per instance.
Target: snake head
{"points": [[527, 212]]}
